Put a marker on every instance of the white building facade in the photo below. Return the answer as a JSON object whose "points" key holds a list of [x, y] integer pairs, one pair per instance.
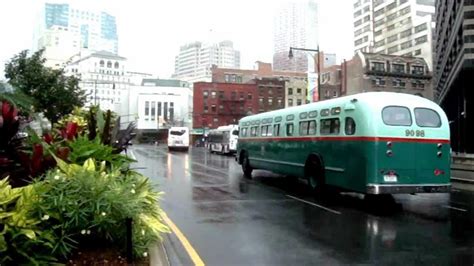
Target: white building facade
{"points": [[157, 107], [104, 79], [295, 25], [397, 27], [64, 30], [194, 61]]}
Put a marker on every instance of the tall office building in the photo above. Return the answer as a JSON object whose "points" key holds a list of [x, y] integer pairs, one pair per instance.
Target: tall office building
{"points": [[64, 30], [194, 61], [454, 68], [295, 25], [397, 27]]}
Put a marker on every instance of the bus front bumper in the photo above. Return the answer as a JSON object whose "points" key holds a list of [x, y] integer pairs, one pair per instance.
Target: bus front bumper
{"points": [[407, 189]]}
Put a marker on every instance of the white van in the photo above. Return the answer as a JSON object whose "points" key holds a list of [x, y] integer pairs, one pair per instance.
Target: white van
{"points": [[178, 138]]}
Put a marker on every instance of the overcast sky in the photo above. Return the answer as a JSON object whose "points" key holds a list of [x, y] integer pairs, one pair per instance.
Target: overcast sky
{"points": [[150, 32]]}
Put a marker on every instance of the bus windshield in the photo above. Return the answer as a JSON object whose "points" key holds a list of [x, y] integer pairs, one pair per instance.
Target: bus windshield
{"points": [[177, 132]]}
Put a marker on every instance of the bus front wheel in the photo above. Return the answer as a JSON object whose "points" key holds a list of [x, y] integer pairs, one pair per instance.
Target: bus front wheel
{"points": [[246, 168]]}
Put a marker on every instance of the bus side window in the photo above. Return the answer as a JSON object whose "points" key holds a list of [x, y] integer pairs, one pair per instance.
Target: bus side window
{"points": [[276, 130], [350, 127], [243, 133], [312, 127], [330, 126], [289, 129], [253, 131], [304, 128], [263, 131], [269, 131]]}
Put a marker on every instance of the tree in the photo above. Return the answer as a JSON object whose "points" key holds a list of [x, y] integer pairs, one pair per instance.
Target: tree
{"points": [[53, 93]]}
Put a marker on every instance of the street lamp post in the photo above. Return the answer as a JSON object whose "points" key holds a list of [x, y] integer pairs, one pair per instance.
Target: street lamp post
{"points": [[290, 55]]}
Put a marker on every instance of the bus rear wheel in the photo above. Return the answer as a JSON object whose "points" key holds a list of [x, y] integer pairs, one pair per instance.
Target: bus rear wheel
{"points": [[315, 175], [246, 168]]}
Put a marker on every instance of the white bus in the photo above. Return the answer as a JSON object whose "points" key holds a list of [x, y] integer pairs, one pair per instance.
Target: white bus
{"points": [[178, 138], [223, 139]]}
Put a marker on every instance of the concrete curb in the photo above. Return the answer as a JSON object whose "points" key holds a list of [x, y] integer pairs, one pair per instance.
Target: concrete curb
{"points": [[158, 255]]}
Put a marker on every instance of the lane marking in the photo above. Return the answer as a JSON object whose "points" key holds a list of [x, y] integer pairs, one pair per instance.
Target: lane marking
{"points": [[314, 204], [454, 208], [462, 179], [184, 241]]}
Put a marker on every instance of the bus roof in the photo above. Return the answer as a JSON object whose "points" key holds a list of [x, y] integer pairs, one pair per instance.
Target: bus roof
{"points": [[370, 101]]}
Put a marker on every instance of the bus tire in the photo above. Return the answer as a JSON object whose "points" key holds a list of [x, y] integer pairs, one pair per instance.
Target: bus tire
{"points": [[246, 168], [314, 171]]}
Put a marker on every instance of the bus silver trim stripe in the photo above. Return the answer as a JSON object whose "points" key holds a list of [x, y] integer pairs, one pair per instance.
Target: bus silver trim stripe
{"points": [[274, 161], [407, 188], [334, 169]]}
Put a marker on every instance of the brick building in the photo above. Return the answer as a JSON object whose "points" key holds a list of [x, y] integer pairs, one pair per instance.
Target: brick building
{"points": [[377, 72], [295, 83], [218, 104]]}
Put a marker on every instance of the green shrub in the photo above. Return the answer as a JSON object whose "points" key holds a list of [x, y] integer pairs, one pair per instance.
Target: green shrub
{"points": [[22, 239], [89, 204]]}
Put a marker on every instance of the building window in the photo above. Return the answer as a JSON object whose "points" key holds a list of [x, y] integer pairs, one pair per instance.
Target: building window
{"points": [[424, 39], [377, 33], [392, 38], [406, 45], [101, 63], [109, 64], [405, 33], [233, 95], [206, 109], [270, 101], [379, 43], [417, 70], [391, 17], [205, 94], [418, 52], [153, 110], [391, 27], [290, 91], [213, 108], [298, 91], [421, 27], [392, 49], [260, 100], [213, 94], [249, 96], [366, 18], [398, 83], [221, 95], [398, 68], [226, 78], [238, 79], [378, 12], [404, 11], [116, 65], [391, 6], [147, 110], [358, 23], [290, 102], [378, 82], [377, 66], [298, 101], [379, 22]]}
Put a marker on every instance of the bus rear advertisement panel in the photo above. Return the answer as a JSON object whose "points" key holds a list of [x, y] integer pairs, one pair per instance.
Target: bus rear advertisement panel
{"points": [[375, 143]]}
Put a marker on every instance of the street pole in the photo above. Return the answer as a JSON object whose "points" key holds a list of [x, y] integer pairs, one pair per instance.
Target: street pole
{"points": [[319, 76], [290, 55]]}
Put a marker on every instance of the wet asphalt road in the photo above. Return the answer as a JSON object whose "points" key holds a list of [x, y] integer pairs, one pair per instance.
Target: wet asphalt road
{"points": [[271, 220]]}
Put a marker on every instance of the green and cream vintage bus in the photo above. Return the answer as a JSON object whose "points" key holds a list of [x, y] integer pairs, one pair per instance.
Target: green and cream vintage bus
{"points": [[374, 143]]}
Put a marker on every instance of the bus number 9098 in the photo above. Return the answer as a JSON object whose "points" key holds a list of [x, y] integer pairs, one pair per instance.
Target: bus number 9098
{"points": [[413, 133]]}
